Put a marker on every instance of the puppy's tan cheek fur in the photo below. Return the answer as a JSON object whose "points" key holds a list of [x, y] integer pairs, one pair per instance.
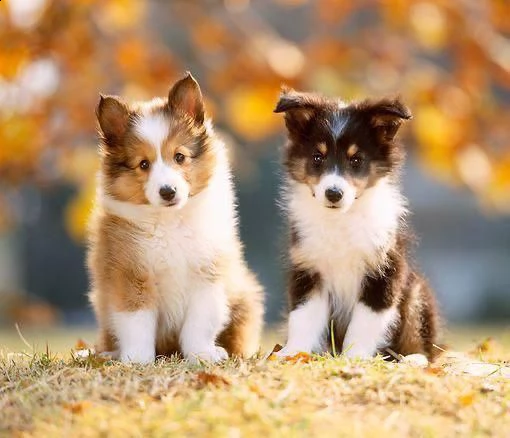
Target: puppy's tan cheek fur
{"points": [[129, 187], [199, 171]]}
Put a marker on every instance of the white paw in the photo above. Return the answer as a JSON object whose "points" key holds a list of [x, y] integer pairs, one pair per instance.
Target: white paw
{"points": [[358, 353], [289, 352], [212, 354], [138, 356]]}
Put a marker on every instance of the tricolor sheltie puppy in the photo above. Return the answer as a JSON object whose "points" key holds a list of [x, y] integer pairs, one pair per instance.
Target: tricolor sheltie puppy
{"points": [[348, 244], [167, 266]]}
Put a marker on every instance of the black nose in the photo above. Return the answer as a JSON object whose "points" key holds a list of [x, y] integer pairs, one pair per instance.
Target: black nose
{"points": [[333, 194], [167, 193]]}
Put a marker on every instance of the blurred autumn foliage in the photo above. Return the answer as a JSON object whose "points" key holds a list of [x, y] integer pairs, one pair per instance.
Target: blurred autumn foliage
{"points": [[450, 60]]}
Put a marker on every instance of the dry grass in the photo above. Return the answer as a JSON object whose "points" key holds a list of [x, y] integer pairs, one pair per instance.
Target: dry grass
{"points": [[57, 395]]}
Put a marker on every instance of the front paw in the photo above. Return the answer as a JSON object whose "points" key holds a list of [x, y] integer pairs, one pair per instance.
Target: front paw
{"points": [[138, 356], [211, 354], [358, 353]]}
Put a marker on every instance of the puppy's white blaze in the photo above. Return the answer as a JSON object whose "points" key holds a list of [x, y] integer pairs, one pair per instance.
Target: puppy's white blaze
{"points": [[206, 316], [368, 331], [306, 327], [152, 128], [136, 335], [333, 180], [338, 124]]}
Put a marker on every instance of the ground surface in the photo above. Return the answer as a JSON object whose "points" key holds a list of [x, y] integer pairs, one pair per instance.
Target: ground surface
{"points": [[53, 393]]}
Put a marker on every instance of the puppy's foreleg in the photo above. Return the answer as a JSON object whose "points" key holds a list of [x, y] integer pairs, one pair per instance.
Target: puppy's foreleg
{"points": [[368, 331], [206, 316], [136, 335], [306, 326]]}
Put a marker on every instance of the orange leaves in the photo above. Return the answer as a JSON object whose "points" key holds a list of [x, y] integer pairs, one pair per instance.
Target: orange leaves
{"points": [[77, 408], [300, 357], [205, 379], [21, 144], [429, 24], [13, 56], [250, 112], [438, 137], [242, 57], [466, 399], [209, 35], [80, 345], [119, 15]]}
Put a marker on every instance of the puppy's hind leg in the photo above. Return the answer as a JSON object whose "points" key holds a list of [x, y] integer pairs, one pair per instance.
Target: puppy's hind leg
{"points": [[241, 337]]}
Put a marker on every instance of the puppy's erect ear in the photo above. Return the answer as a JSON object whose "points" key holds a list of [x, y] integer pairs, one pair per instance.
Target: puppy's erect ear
{"points": [[185, 96], [298, 107], [113, 117], [387, 115]]}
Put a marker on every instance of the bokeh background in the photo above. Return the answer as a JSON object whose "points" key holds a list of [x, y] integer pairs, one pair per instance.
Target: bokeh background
{"points": [[449, 60]]}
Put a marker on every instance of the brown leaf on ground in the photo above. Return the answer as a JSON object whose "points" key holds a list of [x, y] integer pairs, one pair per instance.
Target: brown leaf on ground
{"points": [[81, 345], [205, 379], [76, 408], [467, 399], [435, 371], [300, 357], [276, 348]]}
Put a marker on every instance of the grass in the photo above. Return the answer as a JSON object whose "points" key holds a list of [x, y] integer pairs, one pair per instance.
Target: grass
{"points": [[60, 394]]}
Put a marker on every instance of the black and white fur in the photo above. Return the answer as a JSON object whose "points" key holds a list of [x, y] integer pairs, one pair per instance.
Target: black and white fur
{"points": [[348, 237]]}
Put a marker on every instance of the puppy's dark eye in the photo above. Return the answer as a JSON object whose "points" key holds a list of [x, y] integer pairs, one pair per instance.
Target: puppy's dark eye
{"points": [[145, 164], [317, 159], [179, 158], [356, 161]]}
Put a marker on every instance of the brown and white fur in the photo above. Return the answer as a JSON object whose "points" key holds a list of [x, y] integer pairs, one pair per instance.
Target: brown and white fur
{"points": [[166, 263], [348, 236]]}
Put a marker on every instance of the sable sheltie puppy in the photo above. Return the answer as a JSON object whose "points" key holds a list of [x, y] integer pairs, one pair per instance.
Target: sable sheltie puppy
{"points": [[348, 239], [167, 266]]}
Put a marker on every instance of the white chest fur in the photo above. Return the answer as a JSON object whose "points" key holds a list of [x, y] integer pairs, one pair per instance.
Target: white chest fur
{"points": [[342, 246]]}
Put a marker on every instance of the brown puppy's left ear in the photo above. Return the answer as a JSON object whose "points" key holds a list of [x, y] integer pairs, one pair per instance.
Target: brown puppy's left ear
{"points": [[113, 117], [185, 96], [387, 115]]}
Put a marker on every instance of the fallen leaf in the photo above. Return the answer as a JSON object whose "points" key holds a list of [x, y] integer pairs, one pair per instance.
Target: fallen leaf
{"points": [[272, 356], [276, 348], [467, 399], [204, 379], [81, 345], [76, 407], [435, 371], [299, 357]]}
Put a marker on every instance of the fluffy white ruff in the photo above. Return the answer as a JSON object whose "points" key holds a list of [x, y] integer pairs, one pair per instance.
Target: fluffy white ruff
{"points": [[178, 244]]}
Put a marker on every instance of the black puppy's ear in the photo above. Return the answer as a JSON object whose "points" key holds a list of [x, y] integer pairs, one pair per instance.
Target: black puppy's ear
{"points": [[299, 108], [113, 117], [387, 115], [185, 96]]}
